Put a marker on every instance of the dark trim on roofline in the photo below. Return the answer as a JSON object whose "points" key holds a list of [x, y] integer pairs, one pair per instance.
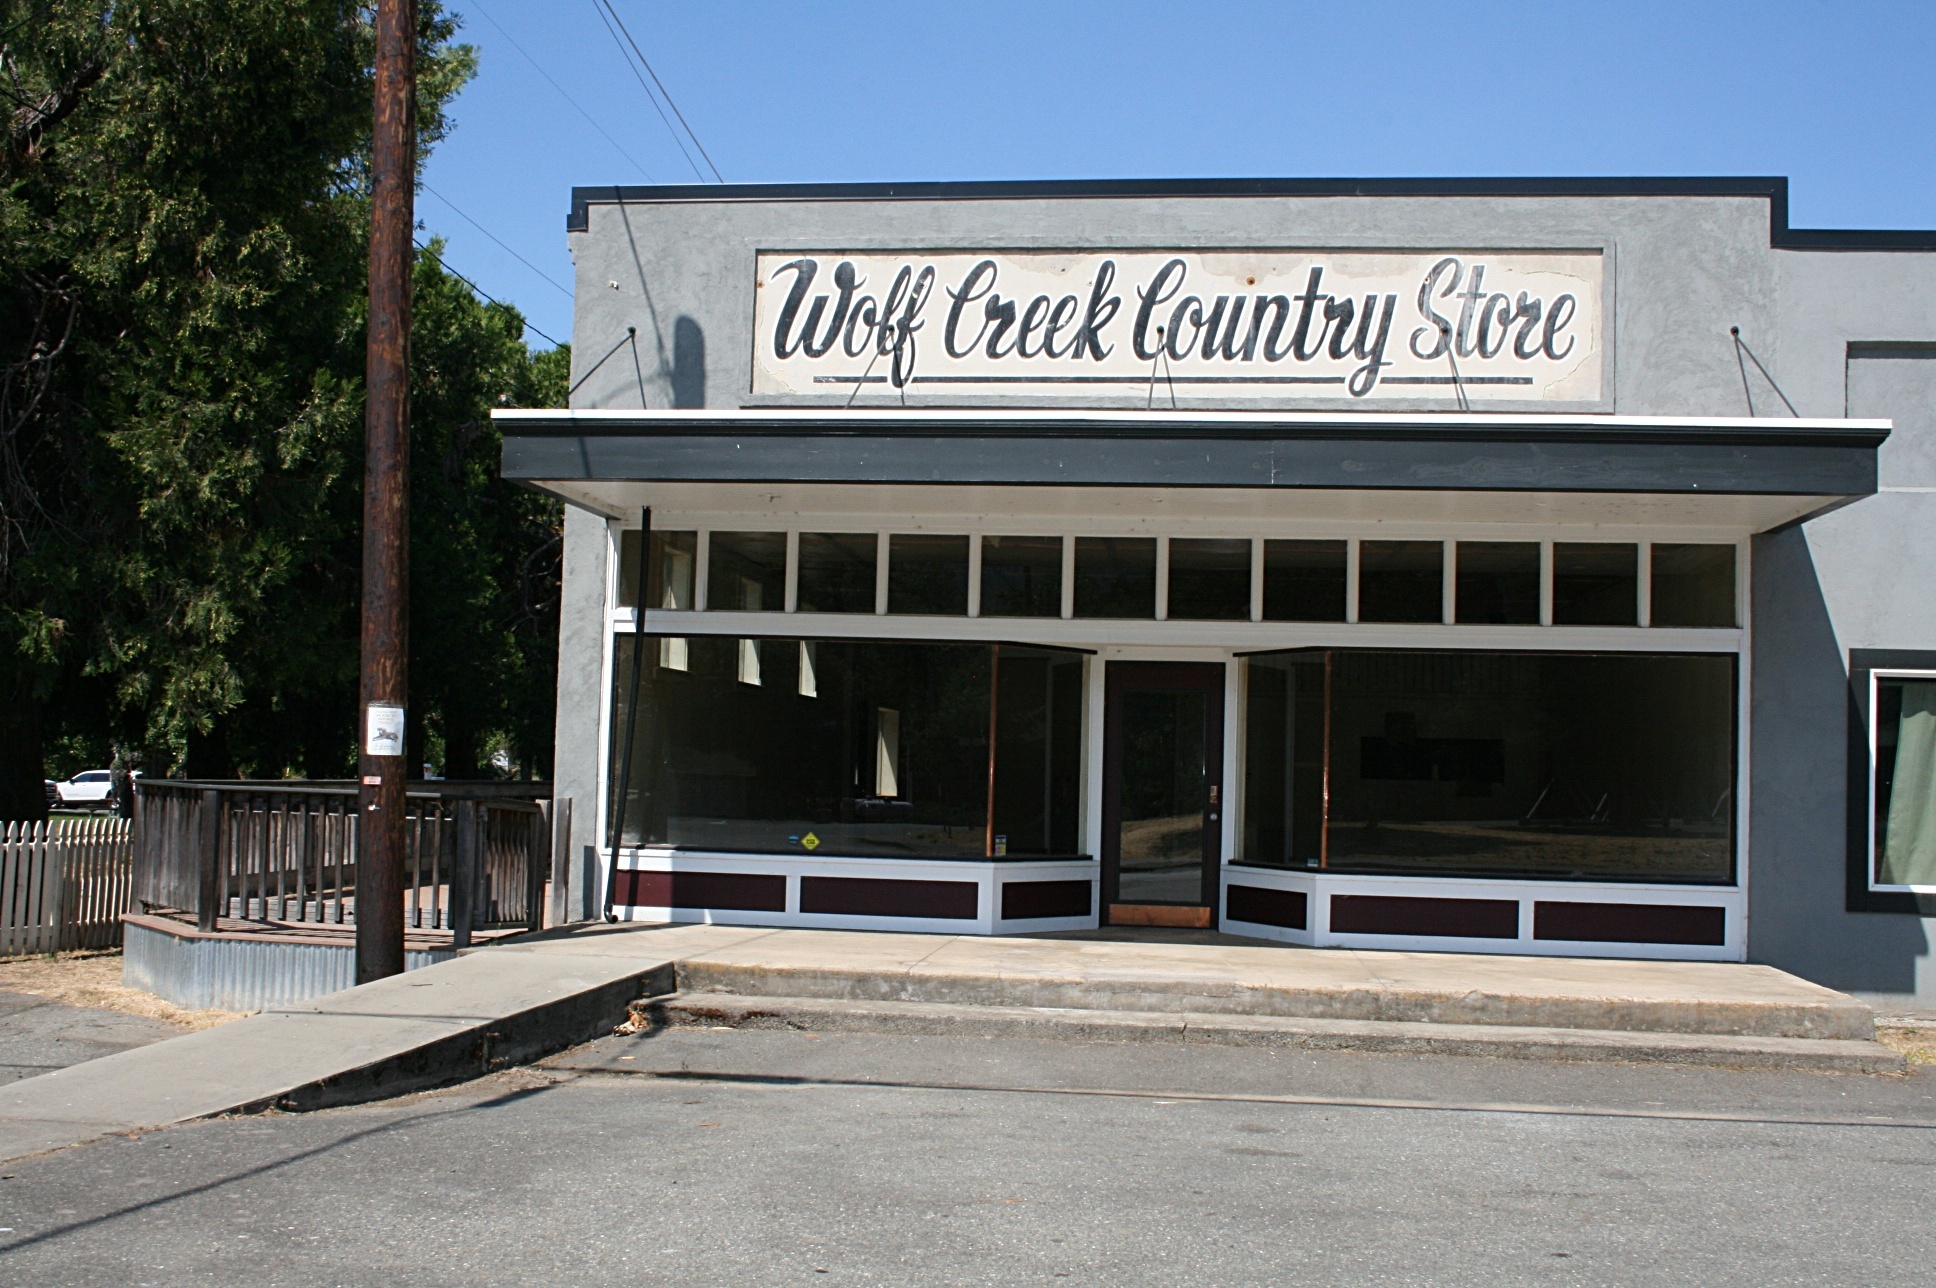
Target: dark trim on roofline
{"points": [[1773, 187]]}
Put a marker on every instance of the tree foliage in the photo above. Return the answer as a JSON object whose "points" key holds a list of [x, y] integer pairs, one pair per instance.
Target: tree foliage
{"points": [[183, 275]]}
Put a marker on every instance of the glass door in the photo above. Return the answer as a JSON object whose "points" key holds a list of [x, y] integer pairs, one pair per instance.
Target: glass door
{"points": [[1162, 792]]}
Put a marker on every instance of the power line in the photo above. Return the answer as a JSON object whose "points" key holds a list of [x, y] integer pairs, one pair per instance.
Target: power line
{"points": [[562, 92], [650, 97], [487, 299], [609, 8], [717, 177], [493, 236]]}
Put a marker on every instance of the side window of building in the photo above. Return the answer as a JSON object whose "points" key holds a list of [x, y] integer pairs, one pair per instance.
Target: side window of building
{"points": [[1902, 788]]}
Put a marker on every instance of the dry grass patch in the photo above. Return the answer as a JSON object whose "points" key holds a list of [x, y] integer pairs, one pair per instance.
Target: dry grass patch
{"points": [[94, 979], [1914, 1041]]}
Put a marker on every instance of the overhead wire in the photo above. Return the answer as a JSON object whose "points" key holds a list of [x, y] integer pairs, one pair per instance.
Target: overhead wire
{"points": [[650, 97], [615, 25], [563, 93], [494, 237], [441, 263], [670, 101]]}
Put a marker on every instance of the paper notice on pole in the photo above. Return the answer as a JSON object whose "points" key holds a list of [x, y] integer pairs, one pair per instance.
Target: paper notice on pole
{"points": [[383, 730]]}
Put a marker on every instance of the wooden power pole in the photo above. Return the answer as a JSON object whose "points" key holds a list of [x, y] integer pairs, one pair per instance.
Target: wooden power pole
{"points": [[380, 838]]}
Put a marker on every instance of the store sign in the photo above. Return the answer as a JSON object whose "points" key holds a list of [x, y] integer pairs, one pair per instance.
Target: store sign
{"points": [[1240, 325]]}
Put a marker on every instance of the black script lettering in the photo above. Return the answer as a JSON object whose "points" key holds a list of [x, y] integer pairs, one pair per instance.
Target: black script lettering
{"points": [[1002, 313], [1215, 323], [1556, 320], [864, 312], [1365, 378], [803, 271], [1528, 315], [1188, 311], [1102, 309], [980, 281], [1031, 322], [1065, 313], [1439, 329], [1309, 300], [844, 280], [1340, 311], [1279, 309], [1474, 292], [1501, 307], [1155, 295], [907, 296]]}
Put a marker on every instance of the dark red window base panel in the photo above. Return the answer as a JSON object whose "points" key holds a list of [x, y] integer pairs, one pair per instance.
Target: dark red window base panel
{"points": [[1263, 906], [888, 897], [729, 891], [1034, 900], [1378, 914], [1630, 923]]}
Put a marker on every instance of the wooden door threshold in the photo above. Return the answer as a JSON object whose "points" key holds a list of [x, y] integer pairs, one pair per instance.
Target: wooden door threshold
{"points": [[1171, 915]]}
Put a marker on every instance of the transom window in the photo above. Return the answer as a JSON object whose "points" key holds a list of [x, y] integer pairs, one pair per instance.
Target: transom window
{"points": [[1189, 578]]}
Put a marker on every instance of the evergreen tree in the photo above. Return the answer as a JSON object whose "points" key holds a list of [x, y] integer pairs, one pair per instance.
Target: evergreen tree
{"points": [[183, 240]]}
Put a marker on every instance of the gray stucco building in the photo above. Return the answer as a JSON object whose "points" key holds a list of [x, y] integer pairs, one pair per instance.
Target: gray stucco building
{"points": [[1529, 566]]}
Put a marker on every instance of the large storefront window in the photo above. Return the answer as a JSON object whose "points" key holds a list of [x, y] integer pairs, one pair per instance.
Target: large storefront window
{"points": [[1604, 767], [850, 747]]}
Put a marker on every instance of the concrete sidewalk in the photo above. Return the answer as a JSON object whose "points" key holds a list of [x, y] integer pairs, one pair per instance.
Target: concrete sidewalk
{"points": [[516, 1002]]}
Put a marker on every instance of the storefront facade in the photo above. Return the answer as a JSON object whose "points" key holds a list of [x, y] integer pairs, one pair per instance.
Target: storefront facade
{"points": [[1402, 565]]}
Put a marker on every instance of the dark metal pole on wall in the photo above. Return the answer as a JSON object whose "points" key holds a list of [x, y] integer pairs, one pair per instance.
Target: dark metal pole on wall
{"points": [[380, 837], [621, 793]]}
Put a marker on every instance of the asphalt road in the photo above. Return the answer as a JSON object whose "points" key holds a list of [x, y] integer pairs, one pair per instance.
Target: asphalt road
{"points": [[733, 1157], [38, 1036]]}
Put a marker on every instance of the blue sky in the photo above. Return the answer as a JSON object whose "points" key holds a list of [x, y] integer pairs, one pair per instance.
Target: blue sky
{"points": [[1840, 97]]}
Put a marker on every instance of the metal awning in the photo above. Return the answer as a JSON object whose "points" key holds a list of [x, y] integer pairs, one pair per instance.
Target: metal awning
{"points": [[1813, 464]]}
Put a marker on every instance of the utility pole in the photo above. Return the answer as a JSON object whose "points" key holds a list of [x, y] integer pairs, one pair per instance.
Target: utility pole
{"points": [[380, 837]]}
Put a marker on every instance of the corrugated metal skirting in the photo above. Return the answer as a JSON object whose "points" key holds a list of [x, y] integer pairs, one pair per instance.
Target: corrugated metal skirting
{"points": [[239, 975]]}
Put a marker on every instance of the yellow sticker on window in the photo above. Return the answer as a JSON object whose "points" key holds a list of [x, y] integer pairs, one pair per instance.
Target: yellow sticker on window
{"points": [[810, 841]]}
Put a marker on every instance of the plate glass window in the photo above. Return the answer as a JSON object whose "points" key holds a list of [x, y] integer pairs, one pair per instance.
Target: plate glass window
{"points": [[1021, 576], [1596, 583], [1304, 581], [1498, 581], [1905, 780], [1555, 766], [927, 574], [1401, 581], [1116, 577], [837, 572], [747, 572], [872, 747], [1209, 579]]}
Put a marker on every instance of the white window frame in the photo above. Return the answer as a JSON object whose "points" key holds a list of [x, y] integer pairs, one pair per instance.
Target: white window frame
{"points": [[1871, 858]]}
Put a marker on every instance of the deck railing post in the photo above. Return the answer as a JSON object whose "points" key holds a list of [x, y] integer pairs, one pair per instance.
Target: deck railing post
{"points": [[463, 875], [209, 845]]}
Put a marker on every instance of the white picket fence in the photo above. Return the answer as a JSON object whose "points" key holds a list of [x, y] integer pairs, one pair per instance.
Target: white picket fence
{"points": [[64, 884]]}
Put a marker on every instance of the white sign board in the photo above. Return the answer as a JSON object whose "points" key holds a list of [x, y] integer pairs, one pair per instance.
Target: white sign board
{"points": [[383, 730], [1244, 324]]}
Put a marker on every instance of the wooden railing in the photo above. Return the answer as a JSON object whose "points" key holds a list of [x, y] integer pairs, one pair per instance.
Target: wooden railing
{"points": [[63, 884], [479, 853]]}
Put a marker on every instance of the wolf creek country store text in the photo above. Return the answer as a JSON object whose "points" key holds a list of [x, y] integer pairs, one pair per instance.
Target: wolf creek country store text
{"points": [[1517, 566]]}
